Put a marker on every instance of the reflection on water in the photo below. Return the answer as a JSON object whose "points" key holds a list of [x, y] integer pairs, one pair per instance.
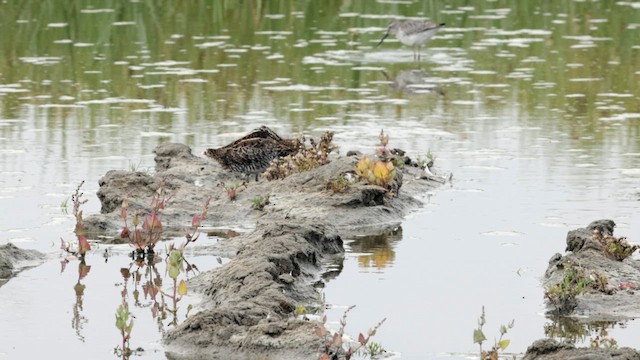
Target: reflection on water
{"points": [[572, 331], [538, 124], [377, 251], [414, 81]]}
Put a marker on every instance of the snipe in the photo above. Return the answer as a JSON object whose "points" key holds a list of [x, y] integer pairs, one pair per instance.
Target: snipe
{"points": [[252, 153]]}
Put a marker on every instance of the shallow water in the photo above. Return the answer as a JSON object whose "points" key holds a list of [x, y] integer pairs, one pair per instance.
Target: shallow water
{"points": [[532, 107]]}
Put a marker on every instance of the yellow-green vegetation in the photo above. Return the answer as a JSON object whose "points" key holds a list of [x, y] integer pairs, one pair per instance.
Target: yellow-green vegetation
{"points": [[376, 172], [259, 202], [307, 158], [301, 311], [575, 282], [340, 183], [499, 345], [124, 324], [616, 248]]}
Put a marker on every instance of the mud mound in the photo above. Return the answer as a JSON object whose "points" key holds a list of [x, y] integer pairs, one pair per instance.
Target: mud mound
{"points": [[12, 259], [548, 349], [252, 299], [616, 297]]}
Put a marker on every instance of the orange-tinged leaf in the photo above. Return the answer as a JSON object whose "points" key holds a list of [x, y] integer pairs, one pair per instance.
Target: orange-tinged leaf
{"points": [[83, 270], [321, 331], [182, 288], [195, 222], [337, 340], [361, 339], [83, 245], [125, 273], [325, 356], [124, 233], [152, 223]]}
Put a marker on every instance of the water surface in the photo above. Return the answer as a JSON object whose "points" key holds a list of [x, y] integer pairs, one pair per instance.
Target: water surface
{"points": [[532, 106]]}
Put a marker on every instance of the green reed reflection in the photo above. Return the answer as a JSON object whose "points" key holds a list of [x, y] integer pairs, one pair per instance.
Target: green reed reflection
{"points": [[563, 65]]}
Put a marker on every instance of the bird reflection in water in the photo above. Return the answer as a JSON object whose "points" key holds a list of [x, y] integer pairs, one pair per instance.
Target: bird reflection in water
{"points": [[413, 82]]}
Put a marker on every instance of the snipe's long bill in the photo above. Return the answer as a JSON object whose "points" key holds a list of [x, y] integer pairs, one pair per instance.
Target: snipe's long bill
{"points": [[252, 153], [414, 33]]}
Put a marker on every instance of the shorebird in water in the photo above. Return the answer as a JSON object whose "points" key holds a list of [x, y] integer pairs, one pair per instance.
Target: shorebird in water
{"points": [[252, 153], [414, 33]]}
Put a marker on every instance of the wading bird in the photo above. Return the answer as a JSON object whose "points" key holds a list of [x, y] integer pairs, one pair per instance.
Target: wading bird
{"points": [[414, 33]]}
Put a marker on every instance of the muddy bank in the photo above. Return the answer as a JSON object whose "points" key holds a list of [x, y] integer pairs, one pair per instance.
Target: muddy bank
{"points": [[14, 259], [593, 284], [190, 180], [548, 349], [612, 293], [249, 304], [251, 301]]}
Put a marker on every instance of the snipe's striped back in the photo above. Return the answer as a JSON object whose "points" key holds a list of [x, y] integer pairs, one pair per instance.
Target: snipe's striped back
{"points": [[252, 153]]}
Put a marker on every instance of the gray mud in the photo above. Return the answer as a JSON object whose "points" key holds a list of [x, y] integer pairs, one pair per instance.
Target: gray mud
{"points": [[548, 349], [362, 209], [248, 307], [619, 302], [14, 259]]}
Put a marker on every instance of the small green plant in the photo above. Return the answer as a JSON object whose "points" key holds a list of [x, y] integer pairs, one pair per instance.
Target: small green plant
{"points": [[334, 346], [259, 202], [575, 282], [125, 325], [133, 167], [341, 182], [375, 349], [499, 345], [63, 206]]}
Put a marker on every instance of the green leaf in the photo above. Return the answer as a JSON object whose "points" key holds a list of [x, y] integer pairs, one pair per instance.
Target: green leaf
{"points": [[478, 336], [174, 271], [504, 343], [129, 327]]}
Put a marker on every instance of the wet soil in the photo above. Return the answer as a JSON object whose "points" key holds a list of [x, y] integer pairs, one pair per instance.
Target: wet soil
{"points": [[14, 259], [249, 303], [619, 300], [248, 307]]}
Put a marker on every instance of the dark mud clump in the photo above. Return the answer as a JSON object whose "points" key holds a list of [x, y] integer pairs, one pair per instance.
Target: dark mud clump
{"points": [[549, 349], [13, 259], [251, 301]]}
